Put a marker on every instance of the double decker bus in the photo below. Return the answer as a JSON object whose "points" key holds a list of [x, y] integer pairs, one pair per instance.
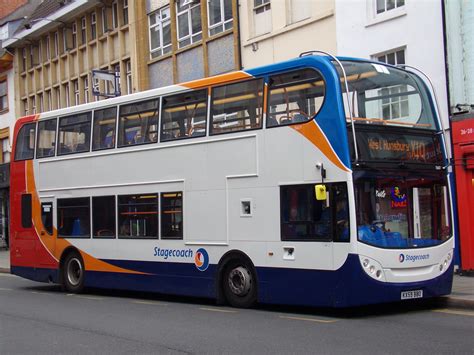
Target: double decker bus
{"points": [[318, 181]]}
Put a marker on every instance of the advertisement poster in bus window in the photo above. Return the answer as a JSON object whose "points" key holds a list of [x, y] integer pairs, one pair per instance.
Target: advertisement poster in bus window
{"points": [[391, 209]]}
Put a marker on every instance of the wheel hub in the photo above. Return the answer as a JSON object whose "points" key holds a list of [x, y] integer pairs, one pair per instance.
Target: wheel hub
{"points": [[240, 281], [74, 271]]}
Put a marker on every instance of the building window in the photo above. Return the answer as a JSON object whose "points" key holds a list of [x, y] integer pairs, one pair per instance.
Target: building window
{"points": [[394, 57], [41, 103], [160, 32], [40, 51], [57, 93], [23, 59], [95, 87], [50, 100], [105, 27], [85, 82], [33, 105], [128, 68], [75, 84], [387, 5], [394, 105], [125, 12], [5, 145], [3, 95], [66, 93], [74, 217], [26, 111], [299, 10], [32, 56], [56, 43], [74, 35], [262, 17], [115, 14], [93, 26], [220, 16], [188, 19], [48, 48], [83, 30], [138, 216]]}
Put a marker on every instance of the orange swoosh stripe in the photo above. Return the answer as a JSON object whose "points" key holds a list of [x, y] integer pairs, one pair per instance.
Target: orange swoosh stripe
{"points": [[55, 245], [218, 79], [315, 135]]}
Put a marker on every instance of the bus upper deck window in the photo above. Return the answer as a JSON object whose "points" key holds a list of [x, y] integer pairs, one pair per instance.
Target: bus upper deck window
{"points": [[25, 144], [294, 97]]}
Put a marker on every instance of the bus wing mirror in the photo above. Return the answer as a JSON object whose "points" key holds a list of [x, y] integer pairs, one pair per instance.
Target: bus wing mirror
{"points": [[320, 192]]}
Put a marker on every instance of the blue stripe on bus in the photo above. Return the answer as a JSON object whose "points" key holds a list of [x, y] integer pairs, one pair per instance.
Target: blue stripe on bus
{"points": [[346, 287]]}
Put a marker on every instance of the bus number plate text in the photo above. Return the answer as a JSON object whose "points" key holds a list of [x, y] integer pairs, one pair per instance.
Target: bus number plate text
{"points": [[407, 295]]}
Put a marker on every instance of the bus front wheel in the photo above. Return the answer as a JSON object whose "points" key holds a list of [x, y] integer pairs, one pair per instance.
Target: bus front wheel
{"points": [[73, 273], [239, 284]]}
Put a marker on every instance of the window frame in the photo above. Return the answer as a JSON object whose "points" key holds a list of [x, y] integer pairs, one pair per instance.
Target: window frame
{"points": [[88, 144], [119, 224], [211, 107], [31, 125], [268, 95], [332, 235], [159, 23], [114, 145], [114, 209], [121, 138], [2, 97], [190, 35], [161, 212], [386, 10], [222, 23], [93, 18], [58, 208], [37, 143]]}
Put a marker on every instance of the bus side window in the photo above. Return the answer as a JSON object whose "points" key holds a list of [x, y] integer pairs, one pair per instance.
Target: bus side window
{"points": [[104, 128], [184, 115], [138, 123], [46, 138], [341, 212], [47, 216], [294, 97], [74, 133], [25, 143], [237, 106], [26, 211]]}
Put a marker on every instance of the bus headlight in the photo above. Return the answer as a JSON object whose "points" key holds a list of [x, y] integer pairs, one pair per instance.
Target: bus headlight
{"points": [[372, 268], [446, 261]]}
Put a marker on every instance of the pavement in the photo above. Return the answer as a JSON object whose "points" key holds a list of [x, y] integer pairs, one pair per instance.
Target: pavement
{"points": [[462, 295]]}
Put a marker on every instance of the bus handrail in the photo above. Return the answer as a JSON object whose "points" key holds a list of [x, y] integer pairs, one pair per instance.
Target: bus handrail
{"points": [[303, 54], [443, 129]]}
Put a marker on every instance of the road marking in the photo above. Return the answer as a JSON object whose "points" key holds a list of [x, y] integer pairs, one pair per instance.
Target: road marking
{"points": [[6, 289], [150, 303], [91, 298], [451, 311], [310, 319], [217, 310], [40, 293]]}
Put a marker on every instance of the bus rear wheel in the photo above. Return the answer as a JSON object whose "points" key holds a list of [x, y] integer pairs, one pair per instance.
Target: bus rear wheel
{"points": [[239, 284], [73, 273]]}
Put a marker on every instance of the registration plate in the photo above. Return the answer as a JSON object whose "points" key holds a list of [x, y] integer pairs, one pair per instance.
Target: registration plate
{"points": [[408, 295]]}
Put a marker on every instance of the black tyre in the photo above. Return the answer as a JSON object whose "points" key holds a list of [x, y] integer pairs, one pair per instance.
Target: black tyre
{"points": [[73, 273], [239, 283]]}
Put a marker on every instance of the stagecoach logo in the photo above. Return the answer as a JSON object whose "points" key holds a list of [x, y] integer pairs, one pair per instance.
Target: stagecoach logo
{"points": [[201, 257], [413, 258]]}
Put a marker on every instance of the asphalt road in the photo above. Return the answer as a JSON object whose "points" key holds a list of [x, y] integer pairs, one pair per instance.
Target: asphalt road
{"points": [[40, 319]]}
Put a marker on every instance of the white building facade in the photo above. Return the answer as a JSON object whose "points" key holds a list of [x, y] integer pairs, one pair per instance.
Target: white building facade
{"points": [[398, 32]]}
